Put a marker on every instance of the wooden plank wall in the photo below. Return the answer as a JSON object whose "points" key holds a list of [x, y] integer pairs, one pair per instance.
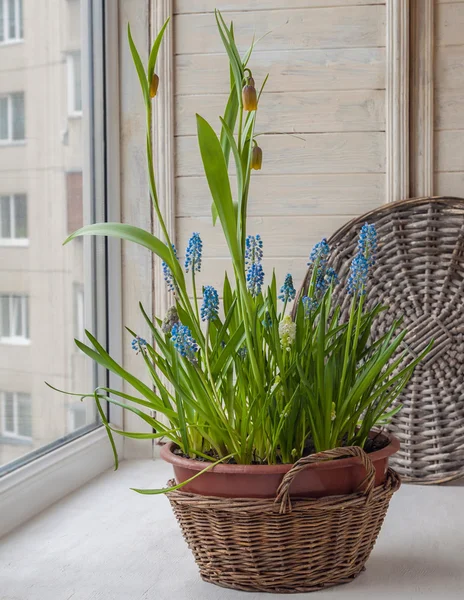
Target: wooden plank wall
{"points": [[449, 98], [322, 116]]}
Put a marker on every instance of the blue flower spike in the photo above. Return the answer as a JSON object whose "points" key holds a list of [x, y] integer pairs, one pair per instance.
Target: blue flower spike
{"points": [[193, 254], [287, 291], [184, 343], [167, 274], [357, 279], [309, 305], [319, 253], [254, 268], [367, 243], [138, 344], [210, 306]]}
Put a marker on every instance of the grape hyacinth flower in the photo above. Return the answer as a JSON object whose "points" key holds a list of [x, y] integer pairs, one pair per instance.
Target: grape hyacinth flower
{"points": [[367, 243], [138, 343], [287, 291], [168, 277], [242, 352], [193, 254], [319, 253], [309, 305], [184, 343], [358, 275], [287, 333], [253, 258], [210, 306], [267, 321]]}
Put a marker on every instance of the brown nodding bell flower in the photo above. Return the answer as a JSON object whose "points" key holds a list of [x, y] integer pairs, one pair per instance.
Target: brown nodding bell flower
{"points": [[249, 96], [256, 158], [154, 85]]}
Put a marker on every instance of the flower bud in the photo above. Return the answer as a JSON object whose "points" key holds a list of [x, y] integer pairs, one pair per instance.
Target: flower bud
{"points": [[249, 96], [154, 85], [256, 158]]}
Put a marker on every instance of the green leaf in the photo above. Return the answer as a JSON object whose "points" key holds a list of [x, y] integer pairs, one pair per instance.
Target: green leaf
{"points": [[218, 181], [154, 51], [139, 67]]}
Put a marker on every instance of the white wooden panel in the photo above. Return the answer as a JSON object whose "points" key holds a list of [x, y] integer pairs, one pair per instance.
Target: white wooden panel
{"points": [[198, 6], [291, 195], [449, 108], [351, 27], [300, 70], [449, 184], [310, 153], [282, 236], [303, 112], [449, 67], [449, 24], [448, 150]]}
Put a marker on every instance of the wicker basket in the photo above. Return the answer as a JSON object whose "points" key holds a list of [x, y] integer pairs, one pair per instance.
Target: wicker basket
{"points": [[420, 274], [283, 545]]}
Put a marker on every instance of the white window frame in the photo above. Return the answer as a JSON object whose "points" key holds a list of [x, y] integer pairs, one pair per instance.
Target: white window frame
{"points": [[9, 141], [13, 434], [24, 338], [18, 38], [13, 240], [54, 474], [71, 58]]}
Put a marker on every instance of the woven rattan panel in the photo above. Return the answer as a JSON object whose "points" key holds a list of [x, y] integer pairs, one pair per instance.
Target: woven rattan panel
{"points": [[419, 274]]}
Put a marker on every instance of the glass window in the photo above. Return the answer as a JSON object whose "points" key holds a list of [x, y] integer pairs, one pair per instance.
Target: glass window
{"points": [[13, 219], [16, 417], [12, 119], [11, 20], [49, 296]]}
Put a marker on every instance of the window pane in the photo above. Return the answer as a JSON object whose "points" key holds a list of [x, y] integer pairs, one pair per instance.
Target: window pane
{"points": [[8, 417], [20, 17], [5, 216], [24, 415], [2, 22], [11, 19], [18, 115], [77, 82], [44, 178], [3, 118], [4, 316], [20, 216]]}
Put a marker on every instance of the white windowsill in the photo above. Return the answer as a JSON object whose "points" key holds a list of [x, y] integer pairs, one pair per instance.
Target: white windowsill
{"points": [[75, 115], [12, 42], [106, 541], [35, 486], [14, 242], [15, 342], [12, 142]]}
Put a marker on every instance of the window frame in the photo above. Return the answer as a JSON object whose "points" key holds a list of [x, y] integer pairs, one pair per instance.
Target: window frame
{"points": [[71, 58], [13, 240], [14, 435], [55, 471], [9, 140], [16, 340], [19, 23]]}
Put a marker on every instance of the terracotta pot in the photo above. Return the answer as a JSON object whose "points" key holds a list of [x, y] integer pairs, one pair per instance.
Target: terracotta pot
{"points": [[341, 476]]}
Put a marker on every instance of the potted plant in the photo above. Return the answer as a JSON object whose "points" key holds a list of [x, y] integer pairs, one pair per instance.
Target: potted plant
{"points": [[259, 403]]}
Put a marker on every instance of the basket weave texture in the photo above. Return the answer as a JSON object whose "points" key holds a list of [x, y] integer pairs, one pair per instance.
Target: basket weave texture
{"points": [[419, 274], [285, 545]]}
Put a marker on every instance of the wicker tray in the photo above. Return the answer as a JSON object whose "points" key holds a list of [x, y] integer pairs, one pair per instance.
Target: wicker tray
{"points": [[420, 274], [285, 545]]}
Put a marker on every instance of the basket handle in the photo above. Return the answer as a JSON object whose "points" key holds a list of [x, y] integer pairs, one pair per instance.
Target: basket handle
{"points": [[366, 485]]}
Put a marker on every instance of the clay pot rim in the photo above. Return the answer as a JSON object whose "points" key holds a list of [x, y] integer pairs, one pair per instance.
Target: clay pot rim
{"points": [[341, 463]]}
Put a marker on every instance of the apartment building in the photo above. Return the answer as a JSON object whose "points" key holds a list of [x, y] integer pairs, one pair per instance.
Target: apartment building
{"points": [[41, 201]]}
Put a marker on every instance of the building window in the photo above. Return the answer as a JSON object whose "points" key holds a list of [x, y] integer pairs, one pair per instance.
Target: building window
{"points": [[79, 320], [11, 21], [14, 319], [16, 421], [13, 220], [77, 417], [74, 84], [12, 128]]}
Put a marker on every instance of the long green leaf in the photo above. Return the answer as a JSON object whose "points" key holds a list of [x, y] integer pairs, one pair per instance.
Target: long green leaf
{"points": [[154, 51]]}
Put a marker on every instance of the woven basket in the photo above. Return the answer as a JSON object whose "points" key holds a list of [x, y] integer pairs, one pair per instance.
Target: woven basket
{"points": [[420, 274], [282, 545]]}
